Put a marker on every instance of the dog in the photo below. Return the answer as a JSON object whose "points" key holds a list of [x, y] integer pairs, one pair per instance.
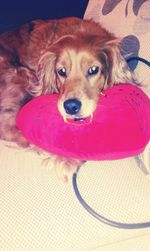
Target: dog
{"points": [[73, 57]]}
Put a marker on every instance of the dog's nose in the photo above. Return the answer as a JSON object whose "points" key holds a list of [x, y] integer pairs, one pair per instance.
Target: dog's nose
{"points": [[72, 106]]}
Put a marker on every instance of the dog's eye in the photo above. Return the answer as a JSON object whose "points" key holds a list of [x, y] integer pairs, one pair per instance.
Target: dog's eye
{"points": [[93, 70], [62, 72]]}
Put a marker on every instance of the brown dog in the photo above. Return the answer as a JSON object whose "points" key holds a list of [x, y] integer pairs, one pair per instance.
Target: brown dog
{"points": [[74, 57]]}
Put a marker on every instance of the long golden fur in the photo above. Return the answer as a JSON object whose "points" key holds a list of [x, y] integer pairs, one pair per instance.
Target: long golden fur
{"points": [[74, 57]]}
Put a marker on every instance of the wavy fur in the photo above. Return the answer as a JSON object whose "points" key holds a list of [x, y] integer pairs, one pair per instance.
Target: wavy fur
{"points": [[31, 56]]}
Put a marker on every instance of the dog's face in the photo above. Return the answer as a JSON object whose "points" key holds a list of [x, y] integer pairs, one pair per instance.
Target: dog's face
{"points": [[80, 78], [79, 69]]}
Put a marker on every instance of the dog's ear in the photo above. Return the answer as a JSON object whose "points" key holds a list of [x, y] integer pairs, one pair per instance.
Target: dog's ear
{"points": [[46, 73], [117, 70]]}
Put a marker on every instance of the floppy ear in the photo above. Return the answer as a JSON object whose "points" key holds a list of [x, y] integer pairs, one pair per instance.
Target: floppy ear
{"points": [[46, 73], [117, 68]]}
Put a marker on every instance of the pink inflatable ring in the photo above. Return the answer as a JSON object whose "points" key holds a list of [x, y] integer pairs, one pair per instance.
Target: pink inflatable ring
{"points": [[120, 126]]}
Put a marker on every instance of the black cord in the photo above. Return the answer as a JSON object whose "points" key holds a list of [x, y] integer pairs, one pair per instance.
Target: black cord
{"points": [[138, 59], [101, 218]]}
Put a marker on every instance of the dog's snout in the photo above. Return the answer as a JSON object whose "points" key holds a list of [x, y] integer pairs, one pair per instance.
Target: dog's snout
{"points": [[72, 106]]}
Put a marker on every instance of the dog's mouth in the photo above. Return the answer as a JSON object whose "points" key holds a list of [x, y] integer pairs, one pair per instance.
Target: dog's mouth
{"points": [[79, 120]]}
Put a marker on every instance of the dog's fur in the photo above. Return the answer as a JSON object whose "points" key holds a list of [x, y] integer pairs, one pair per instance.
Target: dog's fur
{"points": [[32, 57]]}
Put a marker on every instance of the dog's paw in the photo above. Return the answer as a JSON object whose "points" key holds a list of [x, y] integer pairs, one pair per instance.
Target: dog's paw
{"points": [[22, 142], [19, 139], [12, 134], [65, 168]]}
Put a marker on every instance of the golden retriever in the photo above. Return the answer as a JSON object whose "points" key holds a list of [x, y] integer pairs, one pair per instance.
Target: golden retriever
{"points": [[74, 57]]}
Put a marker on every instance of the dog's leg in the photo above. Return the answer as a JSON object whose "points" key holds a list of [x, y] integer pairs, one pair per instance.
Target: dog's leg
{"points": [[13, 95], [8, 128]]}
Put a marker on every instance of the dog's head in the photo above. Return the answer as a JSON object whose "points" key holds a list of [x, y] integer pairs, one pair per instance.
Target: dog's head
{"points": [[80, 67]]}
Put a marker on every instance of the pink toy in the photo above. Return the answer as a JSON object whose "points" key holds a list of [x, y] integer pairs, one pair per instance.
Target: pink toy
{"points": [[120, 126]]}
